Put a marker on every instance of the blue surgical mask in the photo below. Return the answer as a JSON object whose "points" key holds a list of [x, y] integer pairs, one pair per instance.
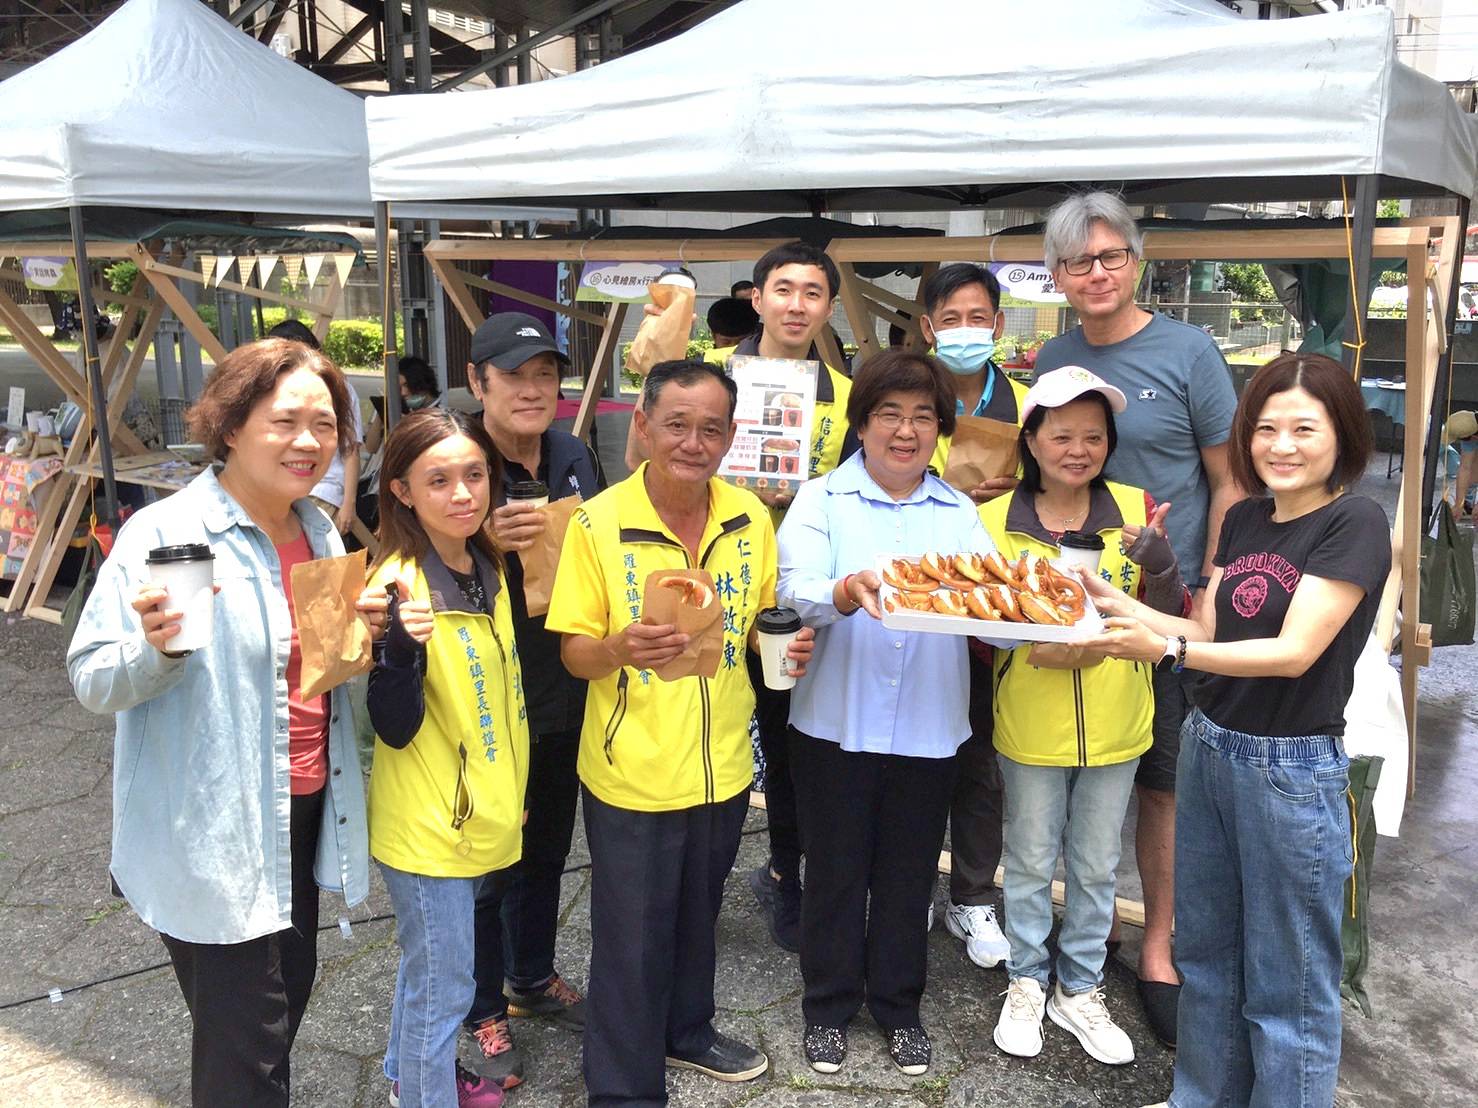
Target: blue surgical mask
{"points": [[965, 350], [415, 402]]}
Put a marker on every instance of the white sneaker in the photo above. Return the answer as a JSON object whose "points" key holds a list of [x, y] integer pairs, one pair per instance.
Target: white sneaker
{"points": [[1019, 1030], [975, 925], [1087, 1018]]}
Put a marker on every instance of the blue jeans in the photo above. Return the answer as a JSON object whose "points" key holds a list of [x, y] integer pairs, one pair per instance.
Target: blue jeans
{"points": [[433, 987], [1044, 805], [1262, 853]]}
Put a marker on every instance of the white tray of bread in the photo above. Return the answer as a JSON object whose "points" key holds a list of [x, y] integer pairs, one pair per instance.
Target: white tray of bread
{"points": [[1029, 599]]}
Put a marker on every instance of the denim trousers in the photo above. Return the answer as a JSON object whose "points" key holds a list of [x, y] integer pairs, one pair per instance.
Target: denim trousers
{"points": [[1076, 811], [1262, 854], [433, 987]]}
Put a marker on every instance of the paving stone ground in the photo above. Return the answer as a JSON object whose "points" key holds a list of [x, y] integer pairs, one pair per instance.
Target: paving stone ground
{"points": [[120, 1035]]}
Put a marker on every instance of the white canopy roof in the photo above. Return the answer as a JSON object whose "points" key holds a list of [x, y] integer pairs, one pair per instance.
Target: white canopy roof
{"points": [[166, 105], [872, 104]]}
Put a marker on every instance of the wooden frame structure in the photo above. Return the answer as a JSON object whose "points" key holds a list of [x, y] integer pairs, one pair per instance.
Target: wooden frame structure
{"points": [[70, 492], [865, 303]]}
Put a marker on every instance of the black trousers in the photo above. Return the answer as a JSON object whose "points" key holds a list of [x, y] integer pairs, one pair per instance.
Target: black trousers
{"points": [[772, 714], [247, 999], [872, 826], [977, 810], [517, 911], [657, 882]]}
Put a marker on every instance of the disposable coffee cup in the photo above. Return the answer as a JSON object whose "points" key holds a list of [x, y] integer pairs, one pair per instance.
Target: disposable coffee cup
{"points": [[677, 277], [776, 629], [529, 492], [1080, 548], [187, 574]]}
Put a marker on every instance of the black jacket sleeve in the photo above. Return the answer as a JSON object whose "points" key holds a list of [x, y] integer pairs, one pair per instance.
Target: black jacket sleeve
{"points": [[396, 697]]}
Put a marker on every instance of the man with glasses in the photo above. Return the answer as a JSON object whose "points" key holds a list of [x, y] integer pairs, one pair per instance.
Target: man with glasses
{"points": [[1172, 442]]}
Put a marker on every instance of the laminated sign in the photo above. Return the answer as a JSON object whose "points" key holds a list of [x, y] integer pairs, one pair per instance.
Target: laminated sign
{"points": [[622, 282], [774, 416]]}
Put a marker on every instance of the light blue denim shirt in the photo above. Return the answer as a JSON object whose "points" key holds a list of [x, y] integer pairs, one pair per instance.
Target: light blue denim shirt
{"points": [[201, 781], [868, 688]]}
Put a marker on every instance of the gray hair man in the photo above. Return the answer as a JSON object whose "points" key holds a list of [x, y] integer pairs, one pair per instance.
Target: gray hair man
{"points": [[1172, 442]]}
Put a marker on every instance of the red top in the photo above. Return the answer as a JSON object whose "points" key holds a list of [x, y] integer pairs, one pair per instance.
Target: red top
{"points": [[307, 720]]}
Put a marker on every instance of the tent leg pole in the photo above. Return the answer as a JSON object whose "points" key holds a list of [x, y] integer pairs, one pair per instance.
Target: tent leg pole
{"points": [[94, 374], [1366, 189], [1437, 417], [387, 315]]}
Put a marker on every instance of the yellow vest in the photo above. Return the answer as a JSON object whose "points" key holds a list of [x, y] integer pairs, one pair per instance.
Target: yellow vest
{"points": [[941, 447], [829, 423], [1099, 715], [473, 692], [647, 744]]}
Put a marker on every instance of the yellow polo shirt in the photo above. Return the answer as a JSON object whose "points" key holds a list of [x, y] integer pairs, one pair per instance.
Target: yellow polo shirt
{"points": [[647, 744]]}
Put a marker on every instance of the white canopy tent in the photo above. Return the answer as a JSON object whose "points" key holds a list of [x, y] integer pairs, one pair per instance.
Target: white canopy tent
{"points": [[166, 105], [789, 106]]}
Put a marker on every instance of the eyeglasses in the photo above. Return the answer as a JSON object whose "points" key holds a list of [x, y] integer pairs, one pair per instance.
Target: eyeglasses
{"points": [[891, 421], [1082, 265]]}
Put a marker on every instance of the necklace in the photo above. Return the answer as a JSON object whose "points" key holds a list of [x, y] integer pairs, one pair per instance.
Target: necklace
{"points": [[1066, 521]]}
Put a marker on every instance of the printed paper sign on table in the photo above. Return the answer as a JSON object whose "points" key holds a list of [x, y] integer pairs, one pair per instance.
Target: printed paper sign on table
{"points": [[777, 405], [621, 282]]}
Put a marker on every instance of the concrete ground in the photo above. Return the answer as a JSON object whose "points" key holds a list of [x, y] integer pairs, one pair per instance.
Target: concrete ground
{"points": [[119, 1034]]}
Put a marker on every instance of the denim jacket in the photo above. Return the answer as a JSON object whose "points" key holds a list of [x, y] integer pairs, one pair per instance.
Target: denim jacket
{"points": [[201, 780]]}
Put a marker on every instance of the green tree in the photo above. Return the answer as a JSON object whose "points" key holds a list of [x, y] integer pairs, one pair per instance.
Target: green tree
{"points": [[1248, 281], [1388, 209]]}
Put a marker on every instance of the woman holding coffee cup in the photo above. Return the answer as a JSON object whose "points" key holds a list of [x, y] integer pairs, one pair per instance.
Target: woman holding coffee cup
{"points": [[515, 373], [235, 799], [1070, 726], [875, 723]]}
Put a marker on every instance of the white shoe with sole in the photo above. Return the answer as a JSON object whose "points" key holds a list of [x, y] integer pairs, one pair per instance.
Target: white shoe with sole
{"points": [[975, 925], [1086, 1018], [1019, 1030]]}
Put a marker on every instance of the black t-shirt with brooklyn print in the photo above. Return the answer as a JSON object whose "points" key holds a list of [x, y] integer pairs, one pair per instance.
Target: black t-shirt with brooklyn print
{"points": [[1262, 563]]}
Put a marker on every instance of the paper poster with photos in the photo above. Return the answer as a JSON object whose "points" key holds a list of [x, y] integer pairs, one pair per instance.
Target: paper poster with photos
{"points": [[777, 404]]}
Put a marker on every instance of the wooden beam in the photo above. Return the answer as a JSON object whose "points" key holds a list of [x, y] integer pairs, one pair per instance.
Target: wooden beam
{"points": [[327, 308], [161, 277], [1178, 245], [582, 314], [595, 377], [451, 279], [864, 330], [63, 249], [614, 249]]}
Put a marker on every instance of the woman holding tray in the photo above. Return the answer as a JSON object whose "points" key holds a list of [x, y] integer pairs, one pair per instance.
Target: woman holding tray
{"points": [[1262, 822], [875, 724], [1070, 725]]}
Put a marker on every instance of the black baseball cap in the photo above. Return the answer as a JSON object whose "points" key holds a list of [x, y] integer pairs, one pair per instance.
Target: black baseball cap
{"points": [[509, 339]]}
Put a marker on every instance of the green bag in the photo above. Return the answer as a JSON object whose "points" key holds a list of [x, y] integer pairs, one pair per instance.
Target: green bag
{"points": [[1447, 582], [1355, 929], [92, 561]]}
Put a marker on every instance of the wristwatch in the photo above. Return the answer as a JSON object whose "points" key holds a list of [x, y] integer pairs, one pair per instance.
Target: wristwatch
{"points": [[1172, 647]]}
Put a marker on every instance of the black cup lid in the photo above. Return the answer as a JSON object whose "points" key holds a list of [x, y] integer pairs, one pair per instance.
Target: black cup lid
{"points": [[185, 552], [1081, 540], [527, 490], [777, 621]]}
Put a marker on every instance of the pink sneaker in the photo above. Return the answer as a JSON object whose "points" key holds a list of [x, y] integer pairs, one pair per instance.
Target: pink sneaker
{"points": [[476, 1092]]}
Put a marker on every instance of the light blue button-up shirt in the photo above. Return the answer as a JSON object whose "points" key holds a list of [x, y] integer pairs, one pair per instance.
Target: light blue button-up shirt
{"points": [[202, 842], [868, 688]]}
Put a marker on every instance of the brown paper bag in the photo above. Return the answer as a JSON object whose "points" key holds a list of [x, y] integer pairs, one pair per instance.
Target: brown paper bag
{"points": [[662, 604], [663, 338], [333, 640], [980, 449], [542, 559]]}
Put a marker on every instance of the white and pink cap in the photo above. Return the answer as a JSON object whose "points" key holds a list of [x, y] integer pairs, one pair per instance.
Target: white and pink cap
{"points": [[1061, 386]]}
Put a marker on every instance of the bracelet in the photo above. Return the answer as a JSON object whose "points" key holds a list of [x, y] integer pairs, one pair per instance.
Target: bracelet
{"points": [[847, 580], [1201, 583], [1179, 664]]}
